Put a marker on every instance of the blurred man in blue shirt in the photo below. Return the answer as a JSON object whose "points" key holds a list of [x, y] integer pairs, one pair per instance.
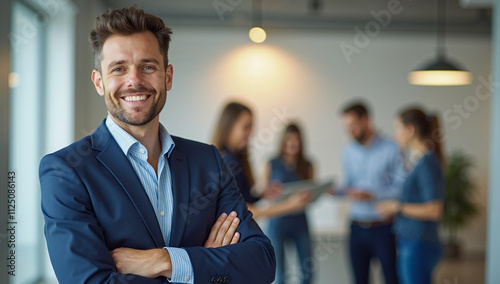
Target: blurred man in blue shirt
{"points": [[374, 171]]}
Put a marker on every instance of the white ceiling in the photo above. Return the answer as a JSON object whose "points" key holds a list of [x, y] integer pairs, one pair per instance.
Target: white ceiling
{"points": [[340, 14]]}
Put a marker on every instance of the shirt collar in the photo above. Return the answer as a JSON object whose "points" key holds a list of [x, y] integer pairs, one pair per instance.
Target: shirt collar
{"points": [[126, 141]]}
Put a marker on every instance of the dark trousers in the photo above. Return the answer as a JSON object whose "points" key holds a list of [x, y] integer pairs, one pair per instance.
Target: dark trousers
{"points": [[367, 243]]}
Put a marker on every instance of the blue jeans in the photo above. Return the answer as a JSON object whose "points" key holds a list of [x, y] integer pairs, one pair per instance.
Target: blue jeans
{"points": [[291, 228], [417, 260], [373, 242]]}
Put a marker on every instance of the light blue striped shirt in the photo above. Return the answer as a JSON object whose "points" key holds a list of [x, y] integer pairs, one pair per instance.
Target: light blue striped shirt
{"points": [[377, 168], [158, 187]]}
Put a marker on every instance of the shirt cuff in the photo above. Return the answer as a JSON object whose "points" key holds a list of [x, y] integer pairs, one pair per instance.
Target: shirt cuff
{"points": [[182, 269]]}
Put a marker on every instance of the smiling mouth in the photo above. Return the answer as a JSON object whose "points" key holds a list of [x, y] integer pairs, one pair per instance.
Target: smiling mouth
{"points": [[136, 98]]}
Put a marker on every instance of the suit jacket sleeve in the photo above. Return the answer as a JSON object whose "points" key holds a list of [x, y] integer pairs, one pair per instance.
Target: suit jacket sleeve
{"points": [[251, 260], [75, 239]]}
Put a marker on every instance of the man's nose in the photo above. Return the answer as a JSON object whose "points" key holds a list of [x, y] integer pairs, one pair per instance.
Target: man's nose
{"points": [[134, 78]]}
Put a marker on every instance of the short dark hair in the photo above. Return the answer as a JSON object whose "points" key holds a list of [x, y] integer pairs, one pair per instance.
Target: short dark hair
{"points": [[358, 108], [128, 21]]}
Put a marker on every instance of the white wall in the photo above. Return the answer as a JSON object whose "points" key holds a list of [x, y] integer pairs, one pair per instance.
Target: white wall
{"points": [[304, 75]]}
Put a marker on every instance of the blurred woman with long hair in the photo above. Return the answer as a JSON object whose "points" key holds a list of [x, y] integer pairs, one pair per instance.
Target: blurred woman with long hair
{"points": [[231, 137], [290, 165], [420, 206]]}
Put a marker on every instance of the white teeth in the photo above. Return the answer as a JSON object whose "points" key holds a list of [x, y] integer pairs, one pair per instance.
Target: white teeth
{"points": [[135, 98]]}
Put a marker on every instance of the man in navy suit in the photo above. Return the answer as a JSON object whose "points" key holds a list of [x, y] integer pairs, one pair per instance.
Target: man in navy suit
{"points": [[132, 204]]}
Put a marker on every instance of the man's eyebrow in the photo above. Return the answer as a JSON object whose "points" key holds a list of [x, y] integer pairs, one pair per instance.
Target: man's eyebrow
{"points": [[144, 60], [147, 60], [114, 63]]}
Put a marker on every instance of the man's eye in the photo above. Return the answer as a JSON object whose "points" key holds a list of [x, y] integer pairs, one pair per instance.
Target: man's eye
{"points": [[118, 69], [148, 67]]}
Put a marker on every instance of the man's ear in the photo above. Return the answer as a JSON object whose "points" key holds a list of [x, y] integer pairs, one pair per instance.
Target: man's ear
{"points": [[169, 76], [97, 80]]}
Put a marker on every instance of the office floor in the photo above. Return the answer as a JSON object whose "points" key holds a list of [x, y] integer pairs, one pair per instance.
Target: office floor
{"points": [[330, 264], [462, 271]]}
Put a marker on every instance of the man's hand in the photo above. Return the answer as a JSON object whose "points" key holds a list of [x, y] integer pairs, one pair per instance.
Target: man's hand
{"points": [[224, 231], [358, 194], [150, 263]]}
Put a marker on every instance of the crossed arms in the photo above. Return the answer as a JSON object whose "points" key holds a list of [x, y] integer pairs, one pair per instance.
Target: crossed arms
{"points": [[154, 263], [96, 235]]}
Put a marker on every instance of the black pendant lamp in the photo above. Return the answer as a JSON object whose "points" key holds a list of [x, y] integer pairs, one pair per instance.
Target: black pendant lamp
{"points": [[440, 72]]}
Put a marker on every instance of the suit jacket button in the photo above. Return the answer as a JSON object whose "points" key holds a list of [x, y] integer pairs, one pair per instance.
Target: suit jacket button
{"points": [[227, 279]]}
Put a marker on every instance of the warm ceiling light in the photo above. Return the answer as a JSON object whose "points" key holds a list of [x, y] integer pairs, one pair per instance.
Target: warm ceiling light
{"points": [[257, 34], [440, 73]]}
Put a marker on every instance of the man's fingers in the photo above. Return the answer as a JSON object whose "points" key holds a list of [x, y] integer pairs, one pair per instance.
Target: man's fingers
{"points": [[228, 237], [236, 238], [216, 226], [221, 233]]}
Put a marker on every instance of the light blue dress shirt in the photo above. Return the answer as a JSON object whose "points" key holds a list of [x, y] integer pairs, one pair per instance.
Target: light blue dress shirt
{"points": [[158, 187], [377, 168]]}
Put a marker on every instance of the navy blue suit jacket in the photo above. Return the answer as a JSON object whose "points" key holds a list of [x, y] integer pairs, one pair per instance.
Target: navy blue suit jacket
{"points": [[93, 202]]}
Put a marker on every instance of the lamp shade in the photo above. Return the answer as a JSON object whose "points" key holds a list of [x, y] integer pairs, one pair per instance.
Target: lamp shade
{"points": [[257, 34], [440, 73]]}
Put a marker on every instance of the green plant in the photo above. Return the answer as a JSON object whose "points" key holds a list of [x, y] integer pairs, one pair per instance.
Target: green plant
{"points": [[459, 205]]}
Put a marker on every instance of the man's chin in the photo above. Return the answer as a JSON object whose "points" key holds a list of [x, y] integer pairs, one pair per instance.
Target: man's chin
{"points": [[137, 120]]}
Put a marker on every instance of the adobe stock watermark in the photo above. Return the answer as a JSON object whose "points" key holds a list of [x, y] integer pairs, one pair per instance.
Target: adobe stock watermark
{"points": [[276, 124], [364, 35], [456, 114], [223, 6], [29, 27]]}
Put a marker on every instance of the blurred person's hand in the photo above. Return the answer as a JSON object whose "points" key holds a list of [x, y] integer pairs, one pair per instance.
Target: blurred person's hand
{"points": [[273, 191], [332, 190], [299, 200], [359, 194], [387, 208]]}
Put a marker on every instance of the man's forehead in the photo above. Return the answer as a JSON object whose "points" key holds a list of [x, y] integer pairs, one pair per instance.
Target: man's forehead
{"points": [[131, 48]]}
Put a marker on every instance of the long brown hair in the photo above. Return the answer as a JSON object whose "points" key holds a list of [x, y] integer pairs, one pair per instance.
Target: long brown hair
{"points": [[427, 129], [303, 166], [228, 118]]}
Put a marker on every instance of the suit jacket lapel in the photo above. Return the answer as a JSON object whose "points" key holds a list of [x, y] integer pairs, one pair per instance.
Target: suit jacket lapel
{"points": [[116, 162], [180, 188]]}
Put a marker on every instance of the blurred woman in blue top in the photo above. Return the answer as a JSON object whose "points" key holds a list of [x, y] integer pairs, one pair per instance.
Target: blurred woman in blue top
{"points": [[419, 209], [289, 166], [231, 137]]}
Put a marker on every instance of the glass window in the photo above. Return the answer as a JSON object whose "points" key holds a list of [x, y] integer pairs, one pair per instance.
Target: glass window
{"points": [[41, 117]]}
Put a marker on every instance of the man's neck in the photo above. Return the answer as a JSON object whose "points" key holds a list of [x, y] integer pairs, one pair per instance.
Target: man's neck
{"points": [[147, 135], [369, 138]]}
